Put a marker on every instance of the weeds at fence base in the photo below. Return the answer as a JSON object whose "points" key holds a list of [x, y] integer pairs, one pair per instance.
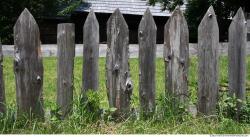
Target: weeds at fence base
{"points": [[228, 108]]}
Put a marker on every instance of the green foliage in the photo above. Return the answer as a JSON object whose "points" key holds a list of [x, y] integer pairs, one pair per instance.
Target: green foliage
{"points": [[169, 108], [91, 106], [167, 4], [107, 114], [11, 9], [228, 107], [224, 9], [196, 9], [70, 6]]}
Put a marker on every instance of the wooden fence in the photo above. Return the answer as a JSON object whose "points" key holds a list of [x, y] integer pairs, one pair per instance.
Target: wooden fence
{"points": [[28, 66]]}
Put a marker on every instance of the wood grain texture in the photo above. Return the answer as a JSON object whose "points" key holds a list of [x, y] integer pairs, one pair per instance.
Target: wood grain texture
{"points": [[2, 89], [65, 67], [208, 42], [237, 57], [90, 53], [147, 54], [28, 66], [119, 84], [176, 56]]}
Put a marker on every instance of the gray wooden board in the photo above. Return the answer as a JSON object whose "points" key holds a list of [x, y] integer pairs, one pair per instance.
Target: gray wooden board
{"points": [[208, 41], [237, 57], [90, 53], [147, 55], [28, 66], [65, 67], [119, 85], [176, 56]]}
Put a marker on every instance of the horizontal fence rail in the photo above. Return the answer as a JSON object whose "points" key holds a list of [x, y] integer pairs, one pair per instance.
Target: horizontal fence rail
{"points": [[175, 51]]}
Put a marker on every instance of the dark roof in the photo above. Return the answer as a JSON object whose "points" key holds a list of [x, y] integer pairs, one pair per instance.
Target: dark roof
{"points": [[134, 7]]}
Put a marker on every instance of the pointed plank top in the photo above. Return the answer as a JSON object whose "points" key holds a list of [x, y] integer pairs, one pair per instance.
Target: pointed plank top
{"points": [[209, 20], [91, 19], [25, 17], [239, 15], [118, 17], [147, 20], [177, 15], [177, 12], [210, 15], [238, 20]]}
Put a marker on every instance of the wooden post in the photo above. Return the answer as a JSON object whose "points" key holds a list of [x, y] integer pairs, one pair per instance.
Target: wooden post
{"points": [[208, 42], [237, 57], [90, 53], [28, 66], [147, 55], [176, 56], [65, 67], [2, 91], [119, 85]]}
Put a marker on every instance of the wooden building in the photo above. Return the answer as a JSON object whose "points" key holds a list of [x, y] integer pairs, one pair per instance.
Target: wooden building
{"points": [[48, 28], [132, 11]]}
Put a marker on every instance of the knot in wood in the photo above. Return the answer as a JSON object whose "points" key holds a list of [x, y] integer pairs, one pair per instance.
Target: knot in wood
{"points": [[17, 58], [126, 74], [129, 85], [140, 34], [143, 94], [168, 58], [38, 79], [182, 61], [64, 82], [16, 62], [116, 67], [210, 15]]}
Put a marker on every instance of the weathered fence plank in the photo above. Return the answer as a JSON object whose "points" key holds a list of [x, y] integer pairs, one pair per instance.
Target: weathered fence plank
{"points": [[2, 90], [90, 53], [147, 55], [237, 57], [176, 56], [65, 67], [28, 66], [208, 41], [119, 85]]}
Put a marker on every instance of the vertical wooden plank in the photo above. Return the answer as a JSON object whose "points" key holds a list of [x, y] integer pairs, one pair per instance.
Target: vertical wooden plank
{"points": [[2, 89], [119, 84], [90, 53], [28, 66], [147, 55], [237, 57], [208, 41], [65, 66], [176, 56]]}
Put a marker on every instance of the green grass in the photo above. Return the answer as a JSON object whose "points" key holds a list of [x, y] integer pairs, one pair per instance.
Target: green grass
{"points": [[76, 123]]}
